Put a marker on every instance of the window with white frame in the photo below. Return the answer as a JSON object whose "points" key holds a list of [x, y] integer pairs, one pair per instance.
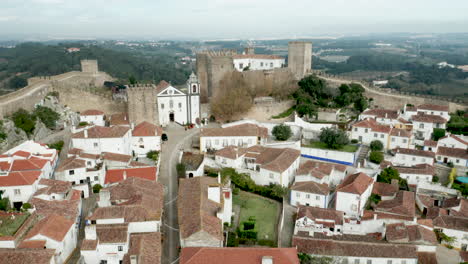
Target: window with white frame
{"points": [[308, 196], [298, 194], [272, 176], [375, 135], [404, 140], [71, 172], [317, 197], [393, 139], [95, 144], [421, 125], [17, 191], [120, 248], [381, 135]]}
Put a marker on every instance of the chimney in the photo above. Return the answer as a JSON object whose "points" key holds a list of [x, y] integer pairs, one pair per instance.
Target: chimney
{"points": [[267, 260], [133, 259], [86, 132], [125, 175]]}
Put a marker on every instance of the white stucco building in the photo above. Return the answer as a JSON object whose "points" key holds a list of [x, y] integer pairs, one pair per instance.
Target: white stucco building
{"points": [[431, 109], [381, 116], [310, 194], [257, 62], [352, 194], [98, 139], [455, 227], [321, 172], [321, 220], [146, 137], [456, 156], [92, 116], [178, 105], [424, 124], [244, 135], [410, 157]]}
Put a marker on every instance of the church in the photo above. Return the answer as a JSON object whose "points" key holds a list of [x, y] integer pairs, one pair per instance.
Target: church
{"points": [[164, 104]]}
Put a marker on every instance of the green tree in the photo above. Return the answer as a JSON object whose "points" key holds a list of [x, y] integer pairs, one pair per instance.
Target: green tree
{"points": [[24, 120], [389, 174], [17, 82], [57, 145], [48, 116], [132, 80], [334, 138], [282, 132], [361, 104], [438, 133], [153, 155], [376, 145], [181, 170], [376, 157], [97, 188], [314, 86]]}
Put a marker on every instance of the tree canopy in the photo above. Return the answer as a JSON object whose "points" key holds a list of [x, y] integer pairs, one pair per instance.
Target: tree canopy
{"points": [[333, 137], [282, 132]]}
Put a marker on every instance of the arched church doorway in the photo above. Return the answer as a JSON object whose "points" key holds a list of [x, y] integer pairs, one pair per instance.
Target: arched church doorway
{"points": [[171, 117]]}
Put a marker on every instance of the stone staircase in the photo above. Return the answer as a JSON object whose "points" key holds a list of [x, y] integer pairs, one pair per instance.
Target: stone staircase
{"points": [[362, 153]]}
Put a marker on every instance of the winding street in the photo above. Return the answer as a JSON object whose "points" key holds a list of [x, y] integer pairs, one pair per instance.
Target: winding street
{"points": [[178, 139]]}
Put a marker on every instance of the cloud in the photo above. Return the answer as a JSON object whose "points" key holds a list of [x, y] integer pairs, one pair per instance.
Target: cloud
{"points": [[49, 1], [8, 18]]}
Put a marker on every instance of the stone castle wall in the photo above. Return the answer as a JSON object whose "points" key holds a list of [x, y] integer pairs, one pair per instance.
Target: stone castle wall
{"points": [[142, 104], [394, 99]]}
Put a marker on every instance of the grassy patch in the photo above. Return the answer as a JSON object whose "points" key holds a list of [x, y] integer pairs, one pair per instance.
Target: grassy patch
{"points": [[10, 226], [321, 145], [264, 210], [284, 114]]}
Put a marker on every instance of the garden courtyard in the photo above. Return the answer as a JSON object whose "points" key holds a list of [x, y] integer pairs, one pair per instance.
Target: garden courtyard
{"points": [[265, 211]]}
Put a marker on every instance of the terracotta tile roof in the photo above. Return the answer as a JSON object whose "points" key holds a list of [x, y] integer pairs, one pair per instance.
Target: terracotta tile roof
{"points": [[74, 151], [53, 226], [398, 132], [314, 213], [103, 132], [28, 164], [463, 256], [319, 169], [451, 222], [21, 153], [427, 258], [453, 152], [71, 163], [425, 169], [355, 183], [118, 175], [384, 189], [29, 256], [403, 121], [84, 155], [327, 247], [112, 233], [146, 247], [244, 130], [426, 200], [373, 126], [415, 152], [116, 157], [230, 152], [20, 178], [53, 186], [146, 129], [421, 117], [88, 244], [381, 113], [434, 211], [311, 187], [162, 85], [457, 138], [5, 166], [369, 215], [196, 210], [91, 112], [425, 222], [401, 233], [138, 164], [120, 119], [134, 199], [430, 143], [273, 159], [197, 255], [443, 108], [67, 208], [37, 244], [402, 204], [192, 161]]}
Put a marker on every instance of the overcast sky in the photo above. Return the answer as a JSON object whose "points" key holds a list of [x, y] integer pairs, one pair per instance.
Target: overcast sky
{"points": [[210, 19]]}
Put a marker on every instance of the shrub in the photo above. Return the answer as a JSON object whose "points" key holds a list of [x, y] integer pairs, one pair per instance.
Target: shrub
{"points": [[376, 157], [4, 204], [53, 93], [48, 116], [17, 82], [333, 138], [27, 206], [24, 121], [266, 242], [435, 179], [83, 123], [97, 188], [211, 172], [235, 191], [153, 155], [57, 145], [438, 133], [376, 145], [282, 132], [180, 170], [232, 240], [354, 141]]}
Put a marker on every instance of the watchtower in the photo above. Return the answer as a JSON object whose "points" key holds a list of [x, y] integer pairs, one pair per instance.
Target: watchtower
{"points": [[142, 103], [299, 58]]}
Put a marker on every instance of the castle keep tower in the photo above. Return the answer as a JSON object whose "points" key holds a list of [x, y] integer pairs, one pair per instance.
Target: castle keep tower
{"points": [[299, 58], [89, 66], [142, 103]]}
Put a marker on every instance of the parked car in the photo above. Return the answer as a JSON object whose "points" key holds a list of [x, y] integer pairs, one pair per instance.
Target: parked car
{"points": [[164, 137]]}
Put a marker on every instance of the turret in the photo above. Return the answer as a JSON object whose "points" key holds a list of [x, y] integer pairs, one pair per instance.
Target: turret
{"points": [[193, 86]]}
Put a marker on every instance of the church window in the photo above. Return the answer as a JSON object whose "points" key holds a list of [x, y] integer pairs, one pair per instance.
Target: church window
{"points": [[261, 64], [241, 66], [162, 106], [171, 104], [180, 105], [194, 89], [271, 64]]}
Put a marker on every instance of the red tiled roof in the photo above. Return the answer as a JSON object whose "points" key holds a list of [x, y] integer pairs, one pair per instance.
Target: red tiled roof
{"points": [[146, 247], [355, 183], [314, 213], [53, 226], [116, 157], [88, 244], [457, 138], [373, 125], [71, 163], [415, 152], [398, 132], [26, 255], [119, 119], [113, 176], [451, 222], [443, 108], [402, 204], [421, 117], [20, 178], [28, 164], [245, 130], [384, 189], [146, 129], [319, 168], [417, 169], [381, 113], [91, 112], [103, 132], [231, 152], [198, 255], [311, 187], [22, 153], [453, 152], [162, 85], [37, 244], [430, 143]]}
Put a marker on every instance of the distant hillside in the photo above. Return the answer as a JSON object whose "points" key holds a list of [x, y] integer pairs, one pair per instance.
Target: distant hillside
{"points": [[35, 59]]}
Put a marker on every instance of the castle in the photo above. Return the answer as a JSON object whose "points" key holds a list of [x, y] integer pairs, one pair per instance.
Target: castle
{"points": [[213, 65]]}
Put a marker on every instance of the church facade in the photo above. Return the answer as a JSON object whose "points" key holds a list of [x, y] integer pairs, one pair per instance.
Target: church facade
{"points": [[164, 104]]}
